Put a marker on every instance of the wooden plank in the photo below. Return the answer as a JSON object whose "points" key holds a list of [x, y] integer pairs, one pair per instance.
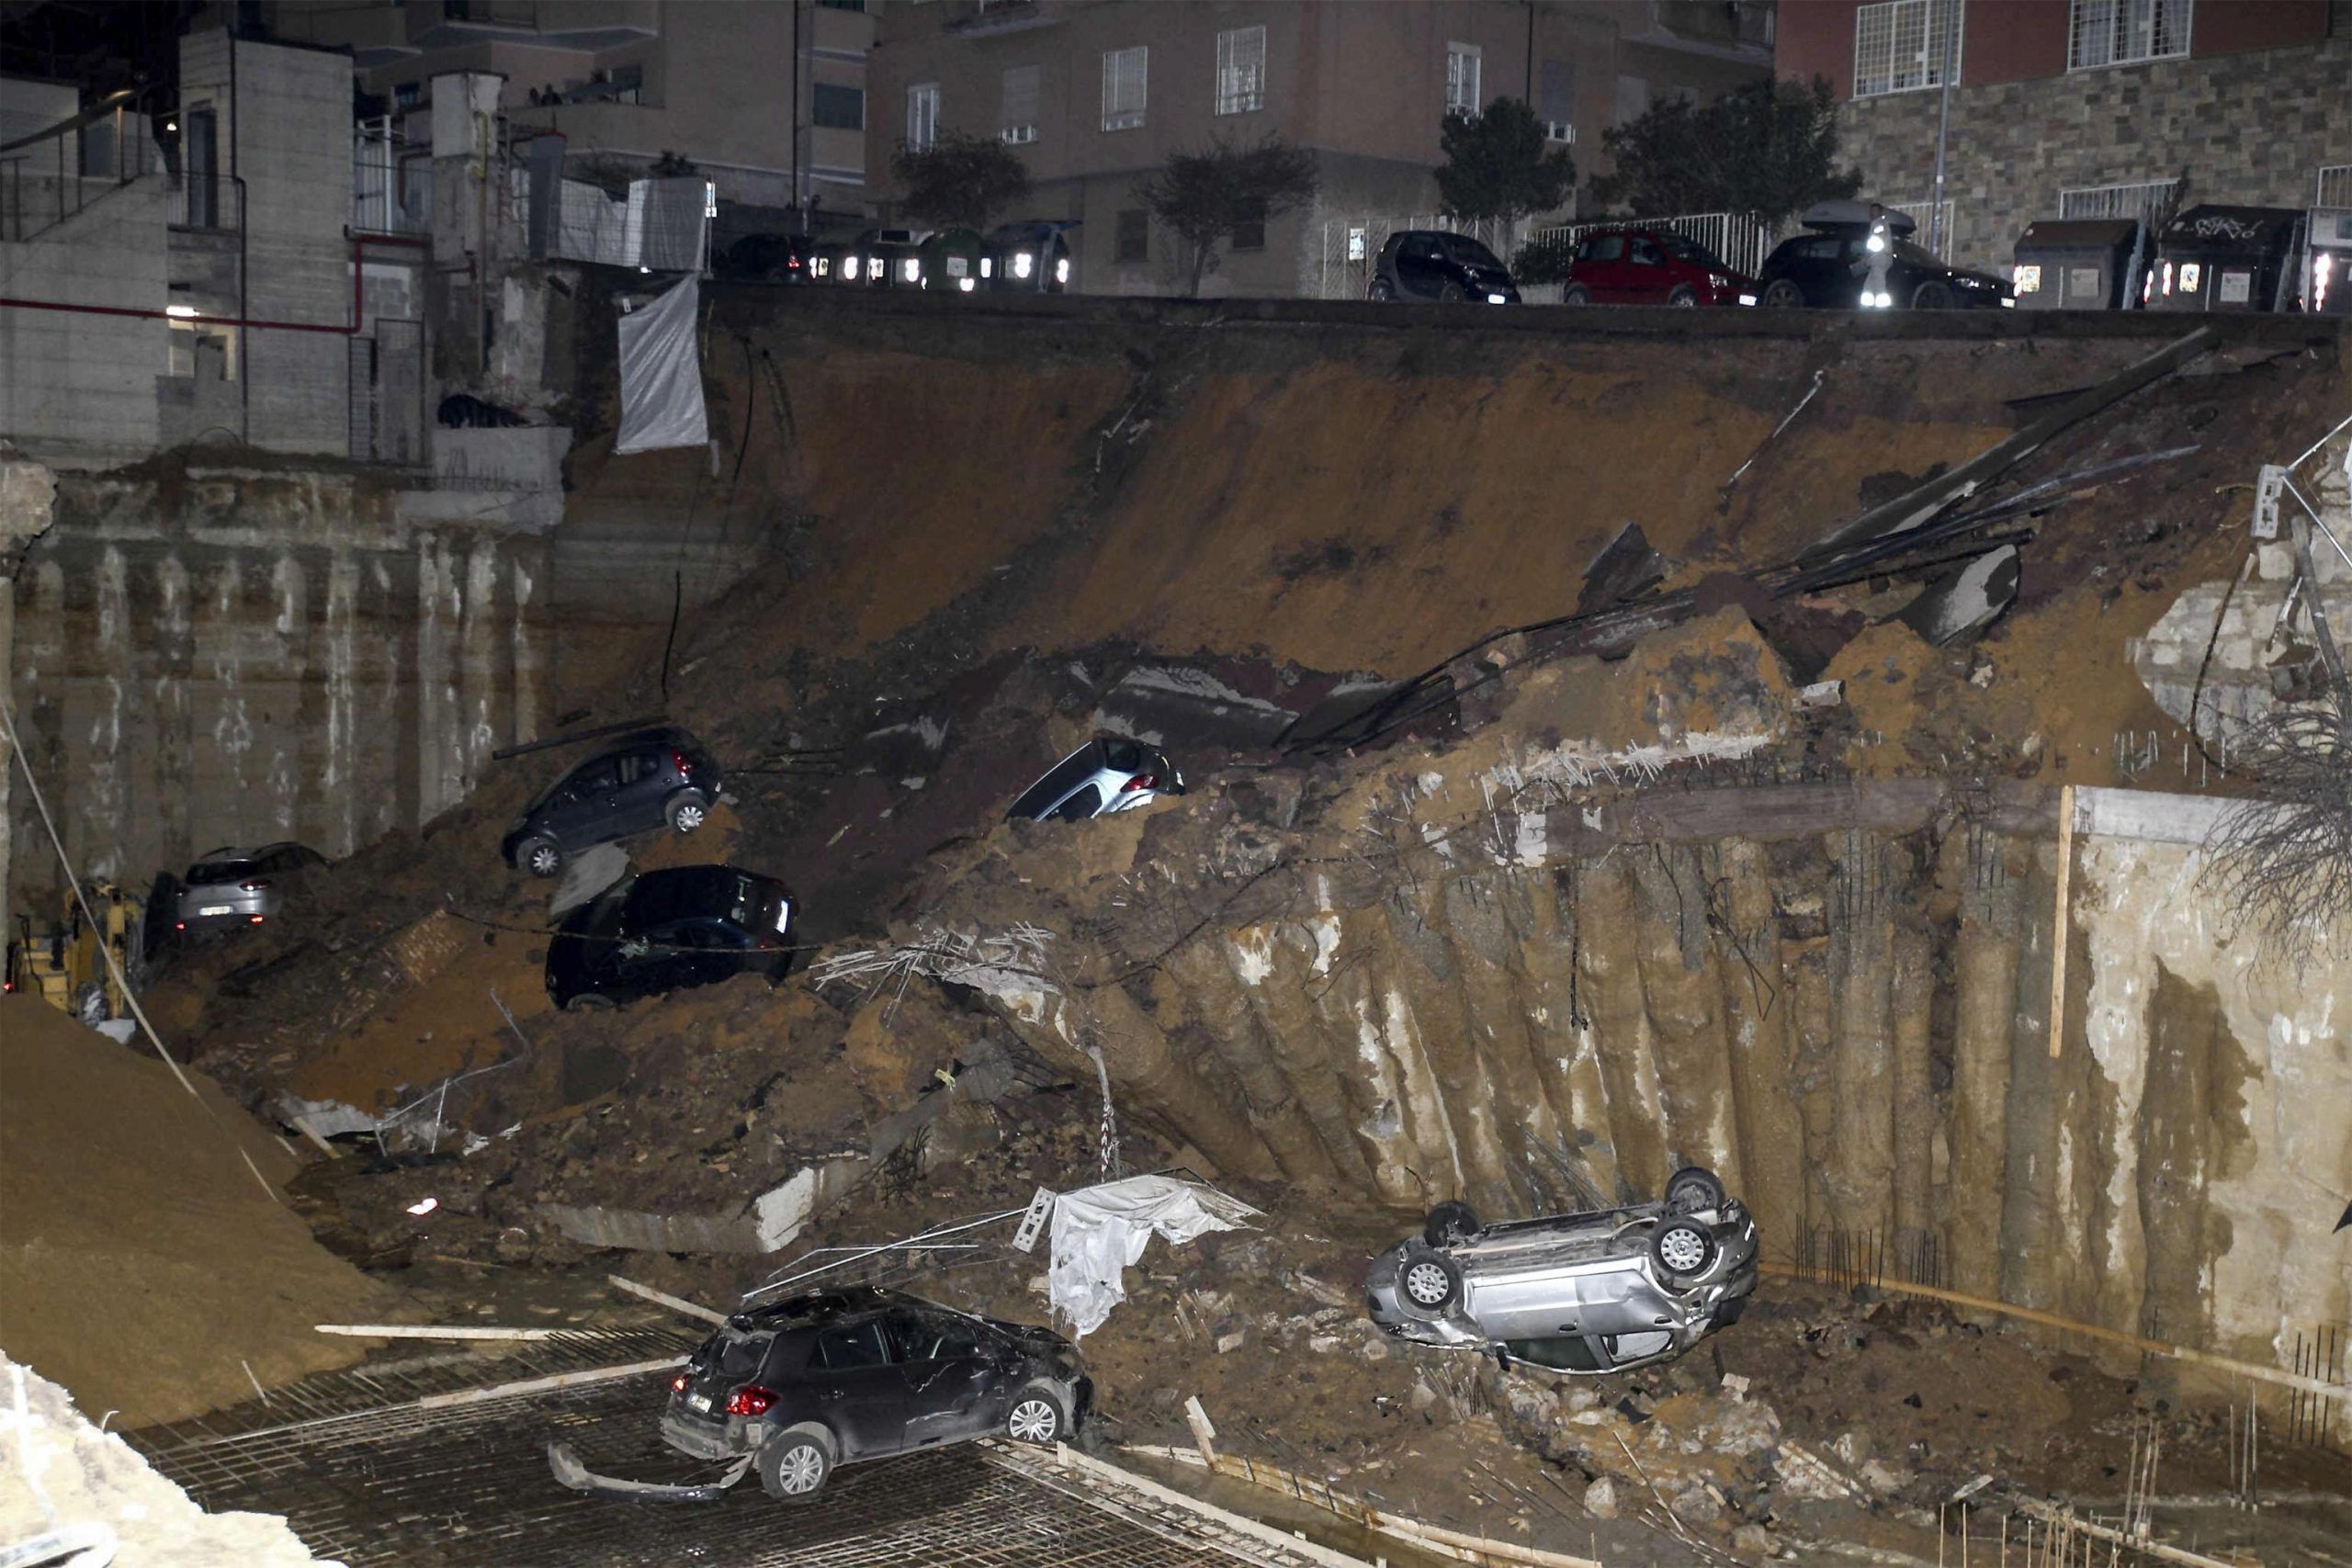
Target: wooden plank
{"points": [[663, 1298], [2059, 937], [430, 1331]]}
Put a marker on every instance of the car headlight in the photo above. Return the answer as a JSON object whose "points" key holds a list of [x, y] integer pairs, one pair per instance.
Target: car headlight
{"points": [[1717, 280], [1021, 262], [911, 268]]}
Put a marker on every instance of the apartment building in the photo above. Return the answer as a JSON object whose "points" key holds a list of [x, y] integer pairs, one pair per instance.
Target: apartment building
{"points": [[767, 97], [1095, 94], [2083, 108]]}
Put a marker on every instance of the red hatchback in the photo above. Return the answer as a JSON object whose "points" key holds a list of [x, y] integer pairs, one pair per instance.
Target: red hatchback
{"points": [[1648, 266]]}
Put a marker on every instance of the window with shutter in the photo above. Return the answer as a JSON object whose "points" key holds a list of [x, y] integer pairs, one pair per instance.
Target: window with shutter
{"points": [[1123, 74], [1018, 123], [1462, 61], [1241, 70], [1555, 100], [922, 116]]}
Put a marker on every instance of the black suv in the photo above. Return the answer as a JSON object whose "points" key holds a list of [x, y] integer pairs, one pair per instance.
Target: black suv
{"points": [[664, 930], [633, 786], [836, 1376], [1428, 264], [1826, 270]]}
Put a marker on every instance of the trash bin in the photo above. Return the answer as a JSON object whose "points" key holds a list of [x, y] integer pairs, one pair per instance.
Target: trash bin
{"points": [[1031, 257], [2080, 264], [950, 260], [2227, 258], [2327, 278]]}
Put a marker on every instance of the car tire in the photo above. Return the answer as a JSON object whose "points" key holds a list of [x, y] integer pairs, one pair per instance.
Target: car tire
{"points": [[794, 1464], [1684, 298], [1428, 1283], [1038, 1416], [1450, 1223], [1576, 294], [1782, 294], [1931, 295], [1692, 1189], [1683, 1250], [1381, 291], [1451, 294], [541, 857], [686, 811]]}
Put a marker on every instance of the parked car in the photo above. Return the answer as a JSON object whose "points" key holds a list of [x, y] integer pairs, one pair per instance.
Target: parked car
{"points": [[1428, 264], [884, 258], [666, 930], [1105, 775], [1648, 266], [769, 258], [838, 1377], [633, 786], [1029, 258], [1824, 268], [233, 888], [1601, 1292]]}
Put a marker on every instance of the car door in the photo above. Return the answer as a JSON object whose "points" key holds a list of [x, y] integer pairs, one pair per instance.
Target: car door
{"points": [[1419, 268], [643, 782], [948, 1377], [1603, 271], [1645, 271], [588, 803], [854, 1374]]}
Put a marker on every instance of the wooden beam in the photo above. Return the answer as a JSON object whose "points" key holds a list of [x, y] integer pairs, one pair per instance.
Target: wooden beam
{"points": [[431, 1331], [663, 1298], [2074, 1524], [2059, 937]]}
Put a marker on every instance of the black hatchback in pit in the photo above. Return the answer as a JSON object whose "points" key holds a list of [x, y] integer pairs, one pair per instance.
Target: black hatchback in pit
{"points": [[664, 930], [633, 786], [833, 1376]]}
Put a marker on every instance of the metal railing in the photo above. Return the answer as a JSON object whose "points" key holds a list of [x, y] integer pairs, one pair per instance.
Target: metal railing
{"points": [[2135, 199], [46, 183], [2334, 186], [1739, 241]]}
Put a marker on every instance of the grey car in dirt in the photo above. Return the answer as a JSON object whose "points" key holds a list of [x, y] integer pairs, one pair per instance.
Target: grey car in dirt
{"points": [[1604, 1291], [1106, 775]]}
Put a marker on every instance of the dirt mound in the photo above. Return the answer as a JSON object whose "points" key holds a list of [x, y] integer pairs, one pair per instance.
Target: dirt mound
{"points": [[142, 1262], [72, 1475]]}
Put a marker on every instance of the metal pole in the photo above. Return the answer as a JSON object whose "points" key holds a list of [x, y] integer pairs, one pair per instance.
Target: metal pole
{"points": [[795, 112], [1943, 124]]}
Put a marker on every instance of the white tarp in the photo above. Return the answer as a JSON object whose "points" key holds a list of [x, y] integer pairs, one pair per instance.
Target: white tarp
{"points": [[1099, 1231], [662, 373]]}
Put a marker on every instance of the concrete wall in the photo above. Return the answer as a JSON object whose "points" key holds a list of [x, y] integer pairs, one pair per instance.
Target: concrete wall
{"points": [[78, 388], [227, 657]]}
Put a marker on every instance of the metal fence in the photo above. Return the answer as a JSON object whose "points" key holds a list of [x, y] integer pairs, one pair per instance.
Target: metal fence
{"points": [[2136, 199], [1352, 249], [1930, 235], [1739, 241], [2334, 186]]}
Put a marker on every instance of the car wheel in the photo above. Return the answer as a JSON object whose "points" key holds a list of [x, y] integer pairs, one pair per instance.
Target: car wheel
{"points": [[1576, 294], [794, 1464], [591, 1001], [1782, 294], [1931, 295], [1450, 1223], [540, 857], [1684, 297], [1380, 289], [1692, 1189], [686, 811], [1428, 1283], [1036, 1417], [1683, 1250], [1450, 294]]}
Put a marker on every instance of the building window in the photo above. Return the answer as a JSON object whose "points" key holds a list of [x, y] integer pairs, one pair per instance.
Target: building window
{"points": [[1250, 236], [922, 116], [1134, 235], [1461, 79], [2117, 32], [2335, 185], [1017, 122], [1902, 45], [2134, 201], [840, 108], [1241, 70], [1125, 71], [1555, 100]]}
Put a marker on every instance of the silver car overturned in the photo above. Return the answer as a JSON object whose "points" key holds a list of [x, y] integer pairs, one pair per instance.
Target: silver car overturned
{"points": [[1600, 1292]]}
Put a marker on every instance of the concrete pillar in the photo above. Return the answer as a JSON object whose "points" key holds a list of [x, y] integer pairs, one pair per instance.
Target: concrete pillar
{"points": [[1984, 1026], [1759, 1010], [28, 502]]}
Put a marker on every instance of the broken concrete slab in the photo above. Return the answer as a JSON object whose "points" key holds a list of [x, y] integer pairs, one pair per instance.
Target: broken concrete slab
{"points": [[1968, 601], [1628, 567], [585, 875]]}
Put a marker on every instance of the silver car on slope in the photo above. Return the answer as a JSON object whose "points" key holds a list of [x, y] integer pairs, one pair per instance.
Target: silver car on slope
{"points": [[1602, 1291], [1107, 774], [231, 889]]}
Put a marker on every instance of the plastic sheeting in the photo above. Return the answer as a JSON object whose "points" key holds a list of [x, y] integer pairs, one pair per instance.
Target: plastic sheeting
{"points": [[1099, 1231], [662, 373]]}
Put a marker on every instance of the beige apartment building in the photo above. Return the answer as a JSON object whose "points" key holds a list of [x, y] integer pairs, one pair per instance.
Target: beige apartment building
{"points": [[1094, 93], [766, 97]]}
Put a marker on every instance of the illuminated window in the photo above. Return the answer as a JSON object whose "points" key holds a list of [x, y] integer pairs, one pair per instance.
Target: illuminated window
{"points": [[2119, 32], [1241, 70], [1125, 76], [1901, 45], [1461, 65]]}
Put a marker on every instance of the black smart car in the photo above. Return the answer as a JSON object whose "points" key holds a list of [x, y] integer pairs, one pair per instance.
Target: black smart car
{"points": [[634, 786], [664, 930], [1826, 270], [1428, 264], [769, 258], [833, 1376]]}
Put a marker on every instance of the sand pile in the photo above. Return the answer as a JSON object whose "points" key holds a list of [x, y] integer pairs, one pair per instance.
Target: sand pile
{"points": [[142, 1264], [64, 1474]]}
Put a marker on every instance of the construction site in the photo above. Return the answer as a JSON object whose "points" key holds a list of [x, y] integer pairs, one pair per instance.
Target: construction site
{"points": [[1887, 764]]}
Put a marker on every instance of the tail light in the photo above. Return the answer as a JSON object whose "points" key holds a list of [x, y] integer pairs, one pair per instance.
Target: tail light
{"points": [[750, 1400], [678, 1384], [1141, 781], [678, 761], [179, 925], [257, 919], [256, 886]]}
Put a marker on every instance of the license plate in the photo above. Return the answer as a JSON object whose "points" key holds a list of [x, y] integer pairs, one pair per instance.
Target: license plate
{"points": [[699, 1403], [215, 909]]}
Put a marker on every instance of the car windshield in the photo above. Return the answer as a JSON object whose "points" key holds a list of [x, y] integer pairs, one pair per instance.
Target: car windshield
{"points": [[1472, 254], [1063, 777], [713, 892], [1684, 249], [220, 871], [740, 1356]]}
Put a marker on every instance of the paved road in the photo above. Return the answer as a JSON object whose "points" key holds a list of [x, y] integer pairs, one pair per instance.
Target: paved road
{"points": [[466, 1486]]}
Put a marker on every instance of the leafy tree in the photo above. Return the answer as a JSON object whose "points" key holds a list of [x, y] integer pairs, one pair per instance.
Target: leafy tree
{"points": [[1498, 167], [1206, 196], [960, 181], [1768, 150]]}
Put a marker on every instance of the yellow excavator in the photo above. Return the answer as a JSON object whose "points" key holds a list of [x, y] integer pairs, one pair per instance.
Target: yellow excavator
{"points": [[66, 966]]}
